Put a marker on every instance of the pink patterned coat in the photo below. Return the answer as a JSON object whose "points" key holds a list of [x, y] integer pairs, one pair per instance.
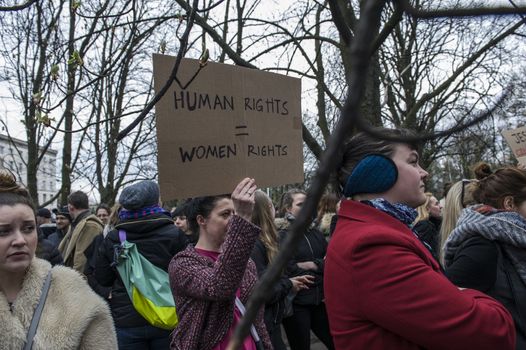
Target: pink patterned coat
{"points": [[204, 291]]}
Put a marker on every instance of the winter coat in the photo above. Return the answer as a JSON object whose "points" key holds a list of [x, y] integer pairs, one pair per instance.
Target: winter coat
{"points": [[91, 256], [48, 251], [78, 239], [484, 264], [73, 316], [56, 237], [312, 247], [205, 291], [384, 290], [157, 239], [274, 305], [428, 231], [47, 229]]}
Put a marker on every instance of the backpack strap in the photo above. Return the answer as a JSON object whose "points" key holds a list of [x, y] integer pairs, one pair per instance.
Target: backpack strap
{"points": [[117, 248], [122, 236]]}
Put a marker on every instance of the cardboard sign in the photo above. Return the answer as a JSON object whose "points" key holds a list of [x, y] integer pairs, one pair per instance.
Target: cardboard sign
{"points": [[229, 123], [517, 140]]}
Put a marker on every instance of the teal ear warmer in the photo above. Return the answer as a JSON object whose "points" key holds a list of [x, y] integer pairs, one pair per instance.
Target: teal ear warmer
{"points": [[374, 173]]}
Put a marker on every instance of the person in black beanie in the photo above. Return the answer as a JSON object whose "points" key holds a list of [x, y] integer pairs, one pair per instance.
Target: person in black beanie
{"points": [[157, 239]]}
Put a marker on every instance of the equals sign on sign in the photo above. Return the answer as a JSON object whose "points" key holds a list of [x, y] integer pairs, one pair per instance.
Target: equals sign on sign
{"points": [[241, 130]]}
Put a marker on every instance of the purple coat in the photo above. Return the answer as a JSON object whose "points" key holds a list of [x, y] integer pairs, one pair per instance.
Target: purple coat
{"points": [[204, 291]]}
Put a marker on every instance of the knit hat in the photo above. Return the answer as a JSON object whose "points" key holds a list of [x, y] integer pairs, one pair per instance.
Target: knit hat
{"points": [[64, 211], [44, 212], [140, 195], [374, 173]]}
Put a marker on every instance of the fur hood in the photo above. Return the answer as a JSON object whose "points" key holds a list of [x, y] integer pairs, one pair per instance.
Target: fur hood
{"points": [[74, 317], [325, 223]]}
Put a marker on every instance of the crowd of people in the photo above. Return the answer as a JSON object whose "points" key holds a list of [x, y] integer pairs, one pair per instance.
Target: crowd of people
{"points": [[384, 264]]}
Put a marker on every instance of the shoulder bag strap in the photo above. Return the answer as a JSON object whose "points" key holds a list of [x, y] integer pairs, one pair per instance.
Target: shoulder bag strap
{"points": [[38, 312], [253, 331]]}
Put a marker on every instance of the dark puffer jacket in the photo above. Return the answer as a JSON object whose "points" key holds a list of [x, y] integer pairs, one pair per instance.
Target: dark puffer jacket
{"points": [[157, 239], [312, 247]]}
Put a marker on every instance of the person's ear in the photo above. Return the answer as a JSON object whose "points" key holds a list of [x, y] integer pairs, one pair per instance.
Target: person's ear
{"points": [[201, 221], [509, 203]]}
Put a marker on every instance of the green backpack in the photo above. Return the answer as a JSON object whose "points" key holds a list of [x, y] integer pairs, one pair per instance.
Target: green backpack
{"points": [[147, 285]]}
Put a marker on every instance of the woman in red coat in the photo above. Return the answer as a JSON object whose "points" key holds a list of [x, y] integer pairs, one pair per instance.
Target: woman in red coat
{"points": [[383, 288]]}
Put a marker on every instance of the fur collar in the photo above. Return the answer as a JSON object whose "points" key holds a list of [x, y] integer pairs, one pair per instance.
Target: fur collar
{"points": [[73, 316]]}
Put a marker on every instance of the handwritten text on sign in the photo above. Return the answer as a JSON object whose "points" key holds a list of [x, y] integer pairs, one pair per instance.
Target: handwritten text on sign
{"points": [[229, 123], [517, 140]]}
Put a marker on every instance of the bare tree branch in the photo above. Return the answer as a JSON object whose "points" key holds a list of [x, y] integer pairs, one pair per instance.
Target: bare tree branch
{"points": [[461, 12], [171, 78], [17, 7]]}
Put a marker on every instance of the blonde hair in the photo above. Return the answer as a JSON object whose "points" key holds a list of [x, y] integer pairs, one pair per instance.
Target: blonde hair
{"points": [[453, 206], [114, 216], [262, 217], [423, 210]]}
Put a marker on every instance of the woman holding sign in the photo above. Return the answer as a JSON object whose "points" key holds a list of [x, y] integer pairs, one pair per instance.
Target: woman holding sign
{"points": [[383, 288], [212, 280]]}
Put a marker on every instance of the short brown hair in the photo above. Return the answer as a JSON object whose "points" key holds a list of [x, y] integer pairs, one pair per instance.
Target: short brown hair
{"points": [[79, 200]]}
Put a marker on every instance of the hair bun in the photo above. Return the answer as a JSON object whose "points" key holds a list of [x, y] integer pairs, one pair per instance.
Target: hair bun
{"points": [[482, 170], [8, 181]]}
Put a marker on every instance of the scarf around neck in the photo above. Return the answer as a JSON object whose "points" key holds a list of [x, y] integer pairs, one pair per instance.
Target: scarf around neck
{"points": [[399, 211], [507, 228], [141, 213]]}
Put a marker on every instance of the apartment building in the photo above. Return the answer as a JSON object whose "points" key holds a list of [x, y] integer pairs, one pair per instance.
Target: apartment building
{"points": [[13, 156]]}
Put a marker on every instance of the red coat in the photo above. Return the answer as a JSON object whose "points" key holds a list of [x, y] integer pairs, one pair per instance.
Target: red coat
{"points": [[384, 290]]}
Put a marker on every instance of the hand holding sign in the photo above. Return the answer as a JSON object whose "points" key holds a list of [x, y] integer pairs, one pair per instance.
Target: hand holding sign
{"points": [[243, 198]]}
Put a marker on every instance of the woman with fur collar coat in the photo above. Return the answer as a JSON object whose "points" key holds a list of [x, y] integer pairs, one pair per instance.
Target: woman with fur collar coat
{"points": [[73, 316]]}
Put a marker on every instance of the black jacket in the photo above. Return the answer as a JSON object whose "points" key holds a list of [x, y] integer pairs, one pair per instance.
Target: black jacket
{"points": [[56, 237], [48, 251], [481, 264], [312, 247], [157, 239], [428, 232], [274, 304], [89, 270]]}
